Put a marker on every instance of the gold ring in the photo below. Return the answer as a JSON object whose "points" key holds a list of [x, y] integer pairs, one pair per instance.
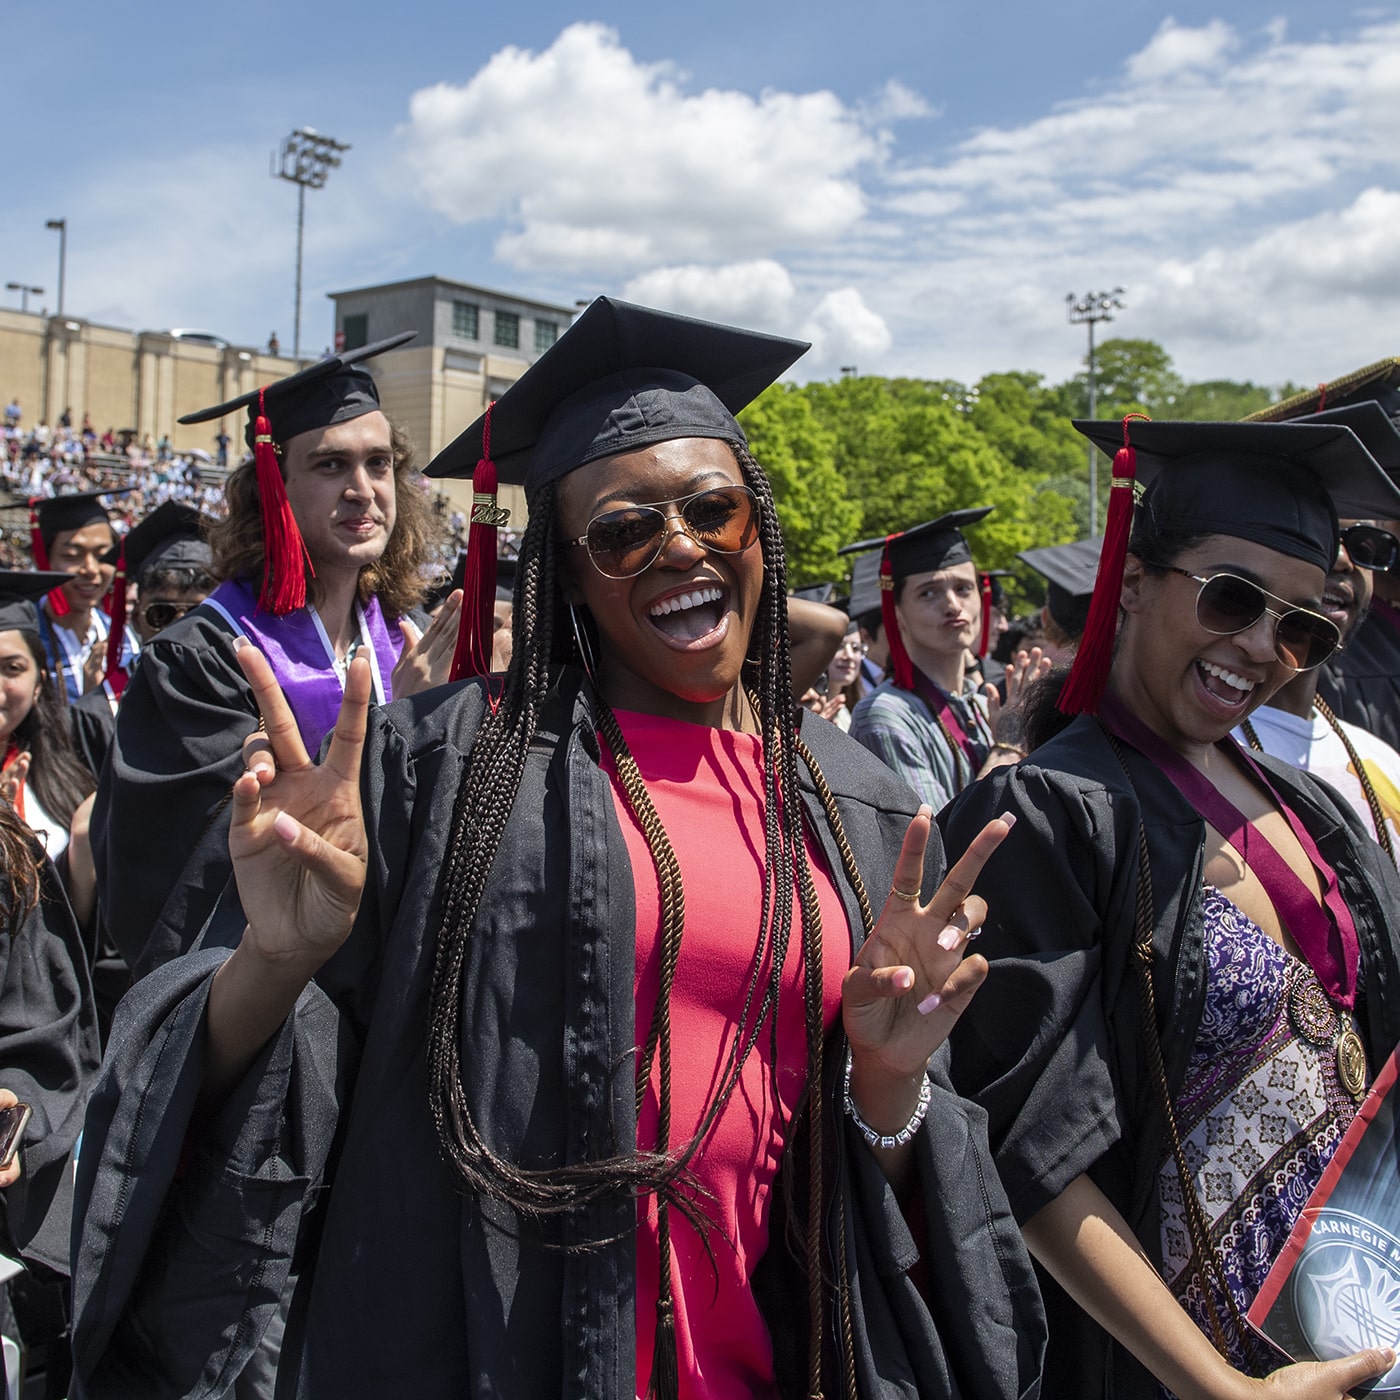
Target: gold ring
{"points": [[907, 898]]}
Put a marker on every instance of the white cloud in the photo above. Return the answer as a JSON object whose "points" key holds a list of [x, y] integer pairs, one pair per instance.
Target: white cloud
{"points": [[844, 330], [1175, 50], [760, 294], [594, 160]]}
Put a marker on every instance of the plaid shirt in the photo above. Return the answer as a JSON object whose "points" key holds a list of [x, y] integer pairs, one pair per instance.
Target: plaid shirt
{"points": [[898, 727]]}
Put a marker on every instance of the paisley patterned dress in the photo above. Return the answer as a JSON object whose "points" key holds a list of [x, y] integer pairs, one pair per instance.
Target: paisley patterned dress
{"points": [[1260, 1114]]}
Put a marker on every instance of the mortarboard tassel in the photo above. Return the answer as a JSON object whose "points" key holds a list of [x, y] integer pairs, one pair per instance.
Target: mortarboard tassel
{"points": [[901, 667], [58, 603], [476, 630], [1089, 674], [1321, 397], [285, 559], [986, 636], [116, 610]]}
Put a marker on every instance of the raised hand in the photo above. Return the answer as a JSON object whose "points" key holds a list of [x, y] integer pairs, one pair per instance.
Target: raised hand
{"points": [[95, 665], [12, 777], [297, 835], [1023, 669], [427, 658], [910, 981]]}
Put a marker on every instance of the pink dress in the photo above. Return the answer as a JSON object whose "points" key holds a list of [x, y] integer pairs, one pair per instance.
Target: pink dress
{"points": [[707, 785]]}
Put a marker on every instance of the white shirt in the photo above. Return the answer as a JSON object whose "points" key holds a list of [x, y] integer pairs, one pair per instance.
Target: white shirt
{"points": [[1312, 745]]}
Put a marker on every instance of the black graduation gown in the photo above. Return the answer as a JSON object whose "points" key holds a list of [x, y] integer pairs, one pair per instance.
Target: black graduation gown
{"points": [[162, 800], [324, 1160], [1362, 683], [92, 725], [49, 1058], [1052, 1047]]}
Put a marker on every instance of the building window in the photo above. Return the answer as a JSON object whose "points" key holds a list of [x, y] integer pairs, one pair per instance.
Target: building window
{"points": [[356, 331], [508, 330], [466, 320], [546, 333]]}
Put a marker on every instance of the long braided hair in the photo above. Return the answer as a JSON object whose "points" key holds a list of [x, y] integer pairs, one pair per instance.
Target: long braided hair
{"points": [[484, 800]]}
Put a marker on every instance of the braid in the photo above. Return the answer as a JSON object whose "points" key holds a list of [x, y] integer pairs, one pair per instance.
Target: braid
{"points": [[487, 793]]}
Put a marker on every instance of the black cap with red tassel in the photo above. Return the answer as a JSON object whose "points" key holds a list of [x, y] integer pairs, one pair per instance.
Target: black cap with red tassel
{"points": [[475, 632], [1089, 674], [58, 604]]}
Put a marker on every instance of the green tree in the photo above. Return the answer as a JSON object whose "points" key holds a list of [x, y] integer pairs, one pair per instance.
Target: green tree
{"points": [[814, 509]]}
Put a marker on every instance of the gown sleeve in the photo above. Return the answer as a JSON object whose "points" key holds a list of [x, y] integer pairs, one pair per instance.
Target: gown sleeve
{"points": [[1034, 1049], [48, 1058], [161, 801], [187, 1234]]}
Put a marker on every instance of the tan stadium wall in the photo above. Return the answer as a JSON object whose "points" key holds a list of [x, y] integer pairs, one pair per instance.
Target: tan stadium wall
{"points": [[144, 380]]}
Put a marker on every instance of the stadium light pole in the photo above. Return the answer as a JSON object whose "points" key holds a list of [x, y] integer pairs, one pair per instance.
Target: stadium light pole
{"points": [[1089, 310], [25, 292], [62, 226], [307, 157]]}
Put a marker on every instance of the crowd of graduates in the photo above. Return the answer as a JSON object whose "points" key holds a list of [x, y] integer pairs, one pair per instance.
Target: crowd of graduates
{"points": [[603, 970]]}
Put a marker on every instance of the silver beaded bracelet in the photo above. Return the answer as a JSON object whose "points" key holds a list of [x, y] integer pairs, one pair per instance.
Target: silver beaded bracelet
{"points": [[906, 1133]]}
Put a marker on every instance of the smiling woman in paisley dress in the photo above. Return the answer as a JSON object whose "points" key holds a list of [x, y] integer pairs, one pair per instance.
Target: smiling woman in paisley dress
{"points": [[1191, 947]]}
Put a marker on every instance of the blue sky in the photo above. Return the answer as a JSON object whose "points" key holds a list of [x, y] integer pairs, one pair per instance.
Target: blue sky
{"points": [[915, 188]]}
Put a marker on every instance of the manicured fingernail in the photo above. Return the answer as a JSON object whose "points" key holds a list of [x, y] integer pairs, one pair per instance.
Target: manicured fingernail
{"points": [[1009, 818], [285, 825], [925, 810], [930, 1003], [904, 978], [949, 938], [240, 642]]}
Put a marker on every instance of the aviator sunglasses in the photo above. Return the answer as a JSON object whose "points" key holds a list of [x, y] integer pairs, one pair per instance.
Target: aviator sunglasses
{"points": [[1228, 604], [160, 615], [623, 542], [1370, 547]]}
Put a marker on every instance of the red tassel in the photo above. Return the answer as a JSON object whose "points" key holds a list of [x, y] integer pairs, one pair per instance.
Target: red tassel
{"points": [[58, 602], [1089, 674], [986, 637], [1321, 398], [901, 667], [476, 631], [285, 559], [116, 610]]}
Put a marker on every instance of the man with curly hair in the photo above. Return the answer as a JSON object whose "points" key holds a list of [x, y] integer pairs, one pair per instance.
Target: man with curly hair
{"points": [[320, 559]]}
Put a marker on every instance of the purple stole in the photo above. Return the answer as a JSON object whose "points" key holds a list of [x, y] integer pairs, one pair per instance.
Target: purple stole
{"points": [[1325, 933], [302, 658]]}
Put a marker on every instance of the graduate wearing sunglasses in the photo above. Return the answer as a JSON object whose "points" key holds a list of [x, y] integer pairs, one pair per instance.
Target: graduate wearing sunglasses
{"points": [[1191, 944]]}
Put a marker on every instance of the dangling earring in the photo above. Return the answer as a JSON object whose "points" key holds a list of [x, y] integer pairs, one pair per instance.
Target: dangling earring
{"points": [[585, 646]]}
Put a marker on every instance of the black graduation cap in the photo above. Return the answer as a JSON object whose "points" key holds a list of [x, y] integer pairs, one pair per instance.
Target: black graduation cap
{"points": [[1279, 484], [1379, 382], [20, 589], [1370, 422], [865, 585], [170, 537], [937, 544], [58, 514], [1069, 571], [621, 377], [1282, 485], [330, 391]]}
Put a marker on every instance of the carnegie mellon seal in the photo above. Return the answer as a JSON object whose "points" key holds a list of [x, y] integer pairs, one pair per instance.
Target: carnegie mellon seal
{"points": [[1346, 1290]]}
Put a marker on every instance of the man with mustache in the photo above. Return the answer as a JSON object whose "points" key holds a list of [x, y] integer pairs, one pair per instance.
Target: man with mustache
{"points": [[320, 559]]}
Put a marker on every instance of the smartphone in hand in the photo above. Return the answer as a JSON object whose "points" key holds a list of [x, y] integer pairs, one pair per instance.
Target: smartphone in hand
{"points": [[13, 1122]]}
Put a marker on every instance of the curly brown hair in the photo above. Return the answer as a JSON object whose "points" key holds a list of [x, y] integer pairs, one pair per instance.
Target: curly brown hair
{"points": [[395, 578]]}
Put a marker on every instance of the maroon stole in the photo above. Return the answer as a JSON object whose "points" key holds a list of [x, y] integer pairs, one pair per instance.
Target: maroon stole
{"points": [[937, 701], [1325, 933]]}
